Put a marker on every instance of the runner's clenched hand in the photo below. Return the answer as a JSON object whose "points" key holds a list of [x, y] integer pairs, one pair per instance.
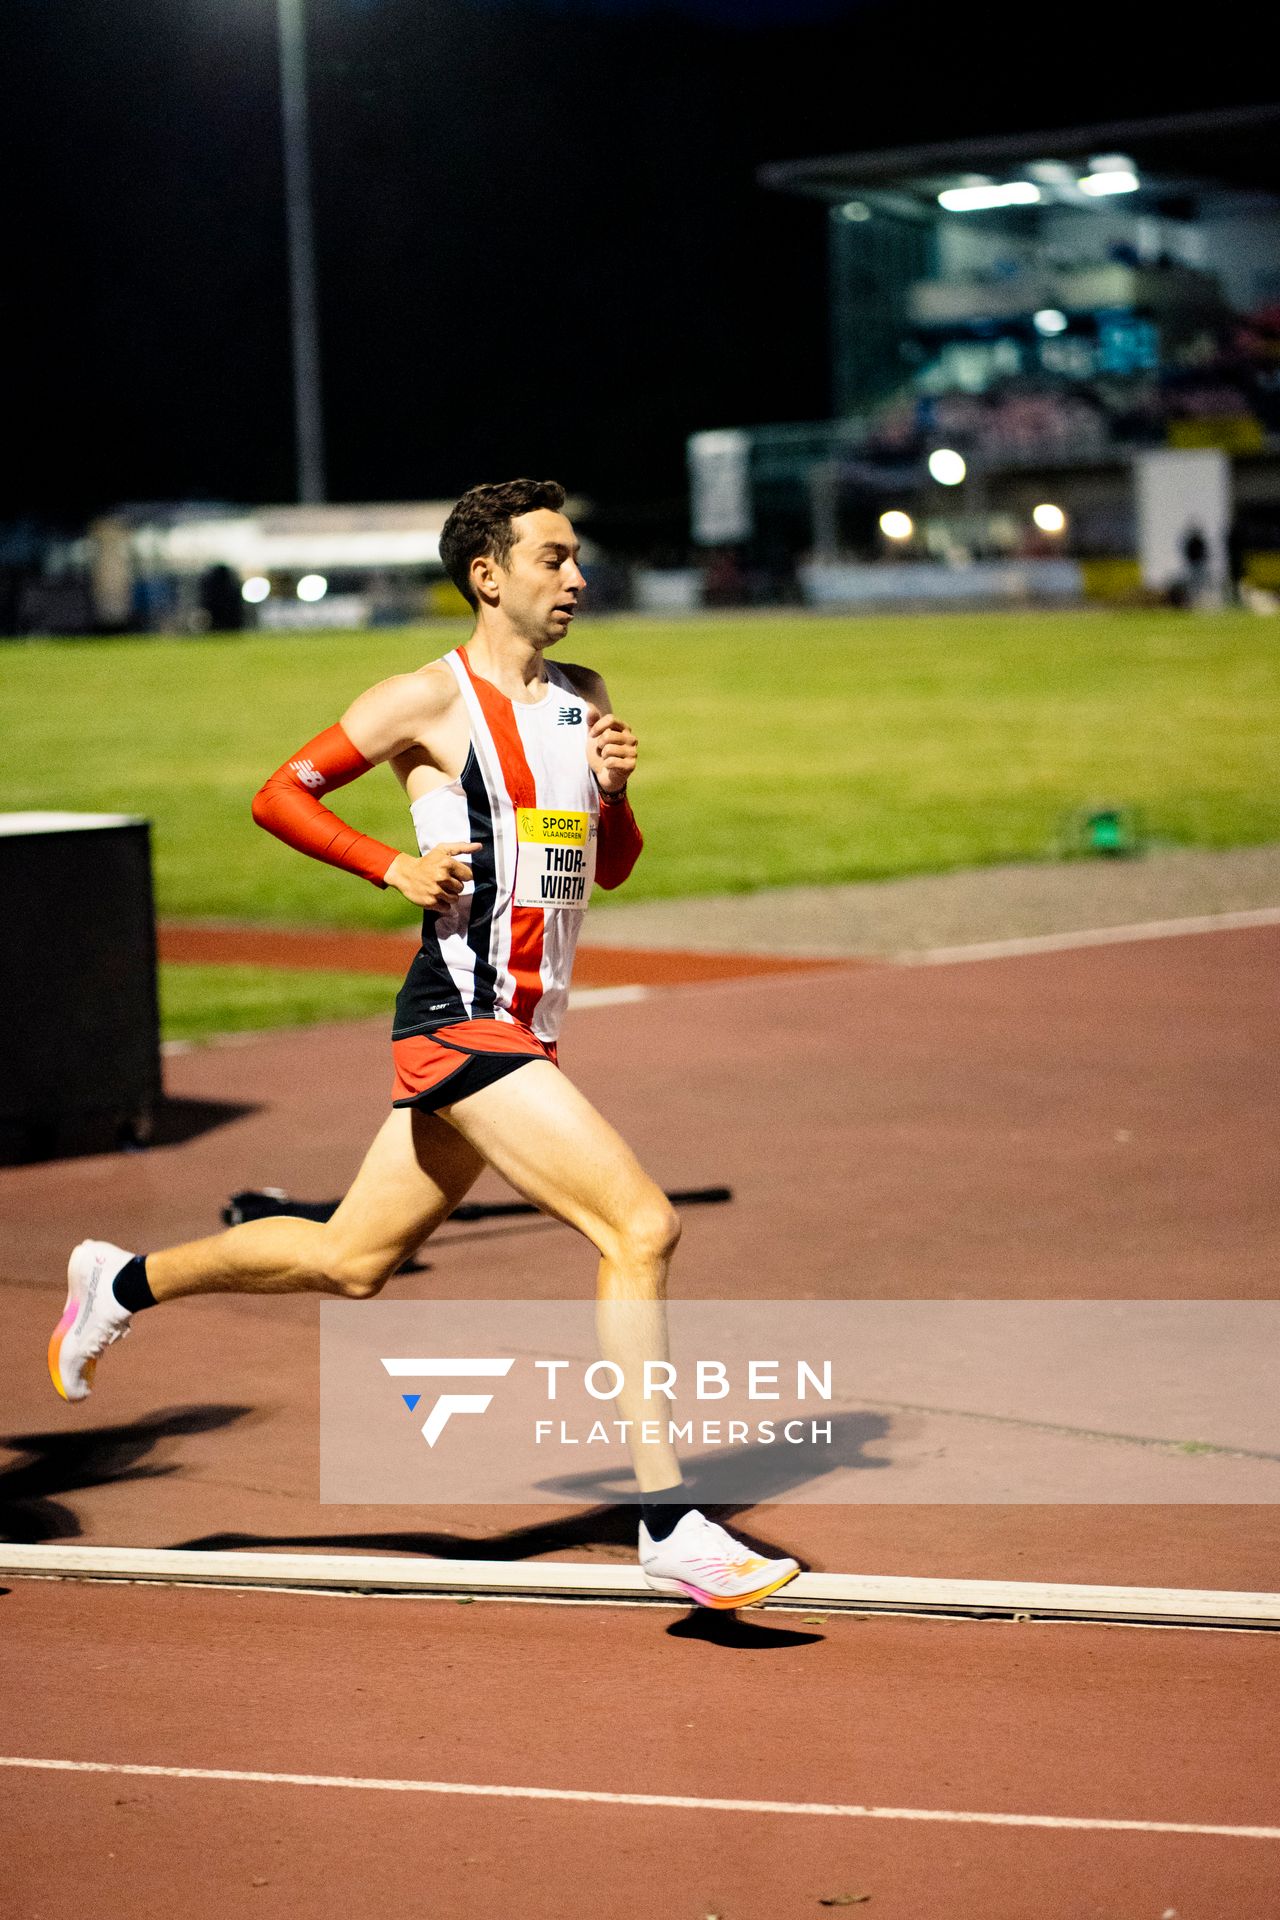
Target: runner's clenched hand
{"points": [[611, 750], [436, 880]]}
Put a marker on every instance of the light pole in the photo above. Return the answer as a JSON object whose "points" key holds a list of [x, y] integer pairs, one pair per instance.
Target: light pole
{"points": [[307, 411]]}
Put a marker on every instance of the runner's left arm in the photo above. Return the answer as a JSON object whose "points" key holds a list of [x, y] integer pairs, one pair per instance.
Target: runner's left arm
{"points": [[620, 842], [611, 755]]}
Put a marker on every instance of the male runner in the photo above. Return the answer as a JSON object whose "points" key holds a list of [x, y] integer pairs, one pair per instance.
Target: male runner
{"points": [[516, 774]]}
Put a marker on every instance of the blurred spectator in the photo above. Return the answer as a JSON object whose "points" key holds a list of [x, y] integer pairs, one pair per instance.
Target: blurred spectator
{"points": [[1195, 583], [221, 599], [723, 582], [1237, 553]]}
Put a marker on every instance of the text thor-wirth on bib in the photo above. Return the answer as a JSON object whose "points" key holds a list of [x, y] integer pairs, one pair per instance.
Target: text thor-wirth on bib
{"points": [[555, 863]]}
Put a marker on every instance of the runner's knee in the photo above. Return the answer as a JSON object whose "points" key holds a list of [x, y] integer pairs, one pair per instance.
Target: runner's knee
{"points": [[649, 1232], [355, 1276]]}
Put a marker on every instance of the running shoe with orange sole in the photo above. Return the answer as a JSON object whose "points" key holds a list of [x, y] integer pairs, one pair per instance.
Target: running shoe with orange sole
{"points": [[705, 1563], [93, 1320]]}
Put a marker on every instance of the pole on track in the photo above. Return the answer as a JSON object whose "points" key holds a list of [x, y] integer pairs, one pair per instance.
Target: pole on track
{"points": [[269, 1203]]}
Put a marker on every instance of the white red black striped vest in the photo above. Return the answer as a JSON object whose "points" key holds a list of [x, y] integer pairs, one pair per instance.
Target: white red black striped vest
{"points": [[505, 950]]}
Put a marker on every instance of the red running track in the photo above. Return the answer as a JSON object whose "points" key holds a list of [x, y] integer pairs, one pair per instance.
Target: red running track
{"points": [[1086, 1722], [1101, 1123]]}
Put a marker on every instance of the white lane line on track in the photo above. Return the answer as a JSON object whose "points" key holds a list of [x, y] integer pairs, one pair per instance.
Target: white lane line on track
{"points": [[678, 1801], [1090, 937], [582, 998]]}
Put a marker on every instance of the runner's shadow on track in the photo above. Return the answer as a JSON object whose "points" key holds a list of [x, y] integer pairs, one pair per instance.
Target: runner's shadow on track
{"points": [[722, 1478], [597, 1526], [601, 1526], [725, 1629], [57, 1464], [720, 1492], [591, 1527]]}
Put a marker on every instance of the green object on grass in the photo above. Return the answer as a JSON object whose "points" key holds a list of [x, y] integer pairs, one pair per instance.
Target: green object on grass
{"points": [[1111, 832], [1106, 832], [775, 748]]}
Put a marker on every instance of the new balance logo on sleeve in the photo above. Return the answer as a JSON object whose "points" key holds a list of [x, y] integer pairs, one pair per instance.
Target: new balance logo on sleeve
{"points": [[569, 717], [308, 773]]}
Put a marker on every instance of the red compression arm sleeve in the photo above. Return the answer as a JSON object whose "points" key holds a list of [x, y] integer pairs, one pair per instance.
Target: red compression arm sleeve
{"points": [[618, 847], [288, 805]]}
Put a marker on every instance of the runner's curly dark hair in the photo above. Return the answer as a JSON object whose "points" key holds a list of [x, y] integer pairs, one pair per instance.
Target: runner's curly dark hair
{"points": [[481, 524]]}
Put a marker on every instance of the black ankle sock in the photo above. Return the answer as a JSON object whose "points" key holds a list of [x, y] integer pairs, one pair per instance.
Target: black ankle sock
{"points": [[130, 1285], [662, 1517]]}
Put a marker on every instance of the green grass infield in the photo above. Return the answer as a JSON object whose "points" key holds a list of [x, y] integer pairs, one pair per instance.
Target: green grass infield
{"points": [[197, 1002], [774, 749]]}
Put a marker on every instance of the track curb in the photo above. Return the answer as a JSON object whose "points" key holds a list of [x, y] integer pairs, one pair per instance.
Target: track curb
{"points": [[580, 1580]]}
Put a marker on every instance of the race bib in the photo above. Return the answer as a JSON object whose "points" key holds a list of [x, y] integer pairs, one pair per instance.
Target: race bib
{"points": [[555, 858]]}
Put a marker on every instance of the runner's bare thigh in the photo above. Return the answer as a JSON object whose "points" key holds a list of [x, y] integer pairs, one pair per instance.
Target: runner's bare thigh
{"points": [[544, 1137], [413, 1176]]}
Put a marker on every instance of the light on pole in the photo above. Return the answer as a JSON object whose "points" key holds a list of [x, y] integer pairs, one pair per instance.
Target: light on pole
{"points": [[307, 412]]}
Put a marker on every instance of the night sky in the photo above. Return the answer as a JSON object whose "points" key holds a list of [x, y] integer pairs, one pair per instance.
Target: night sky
{"points": [[541, 246]]}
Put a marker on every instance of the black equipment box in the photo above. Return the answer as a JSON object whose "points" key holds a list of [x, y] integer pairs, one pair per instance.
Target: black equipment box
{"points": [[79, 1027]]}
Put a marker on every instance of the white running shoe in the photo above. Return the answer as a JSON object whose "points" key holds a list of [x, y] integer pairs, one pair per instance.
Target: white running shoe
{"points": [[700, 1559], [93, 1320]]}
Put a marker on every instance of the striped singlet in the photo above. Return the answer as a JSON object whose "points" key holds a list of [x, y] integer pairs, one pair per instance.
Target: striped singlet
{"points": [[505, 949]]}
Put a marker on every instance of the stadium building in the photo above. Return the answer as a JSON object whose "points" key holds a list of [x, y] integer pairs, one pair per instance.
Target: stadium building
{"points": [[1055, 372]]}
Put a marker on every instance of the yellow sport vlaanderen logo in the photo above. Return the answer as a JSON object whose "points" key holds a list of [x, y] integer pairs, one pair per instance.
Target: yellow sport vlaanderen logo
{"points": [[552, 829]]}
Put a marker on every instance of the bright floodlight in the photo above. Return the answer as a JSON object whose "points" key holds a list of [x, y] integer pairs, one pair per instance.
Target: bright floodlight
{"points": [[1048, 518], [1049, 320], [947, 467], [897, 526], [1117, 180], [1010, 193], [855, 210], [312, 586], [255, 589]]}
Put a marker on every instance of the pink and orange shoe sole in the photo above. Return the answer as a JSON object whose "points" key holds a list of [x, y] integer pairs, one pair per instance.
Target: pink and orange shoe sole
{"points": [[56, 1339], [59, 1334], [726, 1604]]}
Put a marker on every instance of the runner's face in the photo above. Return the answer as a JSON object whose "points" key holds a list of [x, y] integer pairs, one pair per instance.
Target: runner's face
{"points": [[541, 582]]}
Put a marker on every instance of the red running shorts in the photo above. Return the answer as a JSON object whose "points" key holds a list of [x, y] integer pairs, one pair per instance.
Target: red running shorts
{"points": [[434, 1069]]}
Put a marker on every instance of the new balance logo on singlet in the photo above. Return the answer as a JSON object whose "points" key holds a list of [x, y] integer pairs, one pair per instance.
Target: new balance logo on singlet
{"points": [[308, 773], [570, 717]]}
